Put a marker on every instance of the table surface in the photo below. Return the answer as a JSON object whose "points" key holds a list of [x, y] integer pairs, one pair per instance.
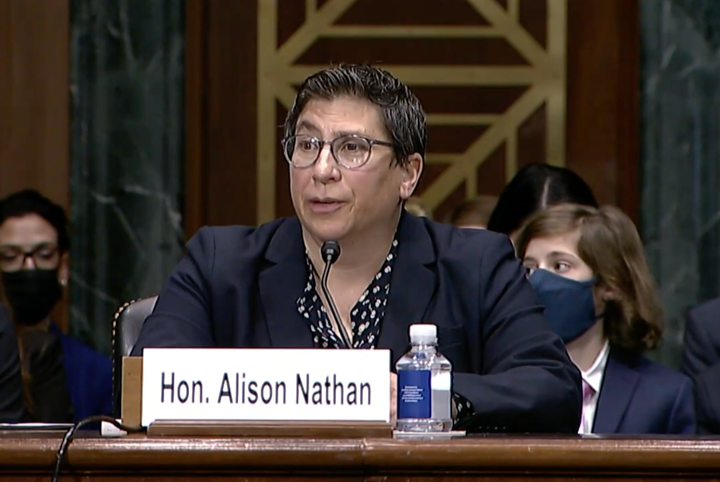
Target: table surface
{"points": [[630, 457]]}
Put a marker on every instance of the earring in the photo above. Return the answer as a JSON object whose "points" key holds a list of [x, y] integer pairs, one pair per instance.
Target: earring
{"points": [[63, 283]]}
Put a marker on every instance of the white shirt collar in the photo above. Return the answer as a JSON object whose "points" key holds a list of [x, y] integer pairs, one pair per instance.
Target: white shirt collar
{"points": [[594, 375]]}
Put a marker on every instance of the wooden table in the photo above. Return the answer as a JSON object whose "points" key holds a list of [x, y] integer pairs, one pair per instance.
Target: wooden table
{"points": [[31, 456]]}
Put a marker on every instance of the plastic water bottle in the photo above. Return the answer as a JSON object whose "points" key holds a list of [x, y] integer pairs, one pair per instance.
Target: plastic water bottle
{"points": [[423, 386]]}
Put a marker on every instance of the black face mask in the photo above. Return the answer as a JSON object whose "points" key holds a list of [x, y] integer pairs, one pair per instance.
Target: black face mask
{"points": [[32, 293]]}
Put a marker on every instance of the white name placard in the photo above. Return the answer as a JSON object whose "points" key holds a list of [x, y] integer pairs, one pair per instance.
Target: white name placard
{"points": [[265, 384]]}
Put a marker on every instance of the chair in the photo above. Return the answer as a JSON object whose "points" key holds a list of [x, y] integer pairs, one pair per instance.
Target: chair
{"points": [[127, 323]]}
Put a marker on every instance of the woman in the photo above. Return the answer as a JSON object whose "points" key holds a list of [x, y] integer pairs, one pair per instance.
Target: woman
{"points": [[535, 187], [588, 268], [355, 142]]}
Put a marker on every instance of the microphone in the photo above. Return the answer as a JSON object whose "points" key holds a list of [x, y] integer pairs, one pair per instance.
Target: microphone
{"points": [[330, 252]]}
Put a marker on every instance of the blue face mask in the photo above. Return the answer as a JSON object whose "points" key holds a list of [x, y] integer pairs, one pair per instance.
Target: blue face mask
{"points": [[569, 304]]}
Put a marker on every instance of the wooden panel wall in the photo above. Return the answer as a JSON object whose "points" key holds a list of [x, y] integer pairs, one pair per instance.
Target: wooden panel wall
{"points": [[220, 100], [35, 102], [35, 97], [603, 98], [505, 82]]}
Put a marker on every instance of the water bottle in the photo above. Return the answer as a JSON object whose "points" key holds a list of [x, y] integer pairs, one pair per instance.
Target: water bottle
{"points": [[423, 384]]}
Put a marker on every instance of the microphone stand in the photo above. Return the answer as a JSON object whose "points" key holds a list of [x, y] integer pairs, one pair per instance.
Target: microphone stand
{"points": [[330, 252]]}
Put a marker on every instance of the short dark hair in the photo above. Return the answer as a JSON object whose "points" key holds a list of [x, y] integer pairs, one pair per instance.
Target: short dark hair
{"points": [[403, 116], [535, 187], [30, 201]]}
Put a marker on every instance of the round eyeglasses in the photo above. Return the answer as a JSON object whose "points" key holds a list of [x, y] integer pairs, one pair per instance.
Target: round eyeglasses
{"points": [[351, 151]]}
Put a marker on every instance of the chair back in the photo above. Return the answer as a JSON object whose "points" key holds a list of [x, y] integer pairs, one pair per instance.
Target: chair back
{"points": [[127, 324]]}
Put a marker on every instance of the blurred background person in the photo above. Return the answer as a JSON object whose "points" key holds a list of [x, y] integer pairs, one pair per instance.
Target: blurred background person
{"points": [[473, 213], [34, 266], [588, 268], [701, 362], [415, 206], [535, 187]]}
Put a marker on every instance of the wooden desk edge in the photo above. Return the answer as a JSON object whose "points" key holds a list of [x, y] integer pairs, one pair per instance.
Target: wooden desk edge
{"points": [[376, 455]]}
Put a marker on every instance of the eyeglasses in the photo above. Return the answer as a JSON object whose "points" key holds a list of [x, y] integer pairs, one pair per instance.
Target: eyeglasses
{"points": [[12, 258], [350, 152]]}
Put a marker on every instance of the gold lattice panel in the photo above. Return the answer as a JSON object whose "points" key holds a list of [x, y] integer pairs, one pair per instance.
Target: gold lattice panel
{"points": [[542, 74]]}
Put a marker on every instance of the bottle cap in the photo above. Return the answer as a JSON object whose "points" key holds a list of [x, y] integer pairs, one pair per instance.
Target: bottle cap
{"points": [[423, 333]]}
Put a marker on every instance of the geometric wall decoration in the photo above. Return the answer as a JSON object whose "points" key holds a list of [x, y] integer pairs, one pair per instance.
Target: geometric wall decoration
{"points": [[491, 75]]}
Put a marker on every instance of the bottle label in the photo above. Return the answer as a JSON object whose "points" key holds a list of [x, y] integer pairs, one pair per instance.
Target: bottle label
{"points": [[414, 394], [441, 383]]}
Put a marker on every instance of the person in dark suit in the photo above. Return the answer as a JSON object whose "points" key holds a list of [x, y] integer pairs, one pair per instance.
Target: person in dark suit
{"points": [[589, 270], [34, 266], [11, 394], [701, 362], [355, 140]]}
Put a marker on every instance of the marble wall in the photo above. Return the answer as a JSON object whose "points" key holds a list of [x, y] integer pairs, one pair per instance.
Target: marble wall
{"points": [[127, 155], [680, 155]]}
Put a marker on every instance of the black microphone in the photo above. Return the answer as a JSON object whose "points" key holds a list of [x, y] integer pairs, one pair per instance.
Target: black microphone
{"points": [[330, 252]]}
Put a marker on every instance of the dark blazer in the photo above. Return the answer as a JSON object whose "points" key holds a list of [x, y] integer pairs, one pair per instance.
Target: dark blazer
{"points": [[701, 362], [639, 396], [238, 287], [12, 406]]}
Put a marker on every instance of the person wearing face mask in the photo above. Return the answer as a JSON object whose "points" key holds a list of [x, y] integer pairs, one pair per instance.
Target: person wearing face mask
{"points": [[588, 268], [34, 268]]}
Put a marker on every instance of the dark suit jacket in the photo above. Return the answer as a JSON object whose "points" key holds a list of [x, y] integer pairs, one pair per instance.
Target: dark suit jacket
{"points": [[639, 396], [238, 287], [12, 406], [701, 361]]}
